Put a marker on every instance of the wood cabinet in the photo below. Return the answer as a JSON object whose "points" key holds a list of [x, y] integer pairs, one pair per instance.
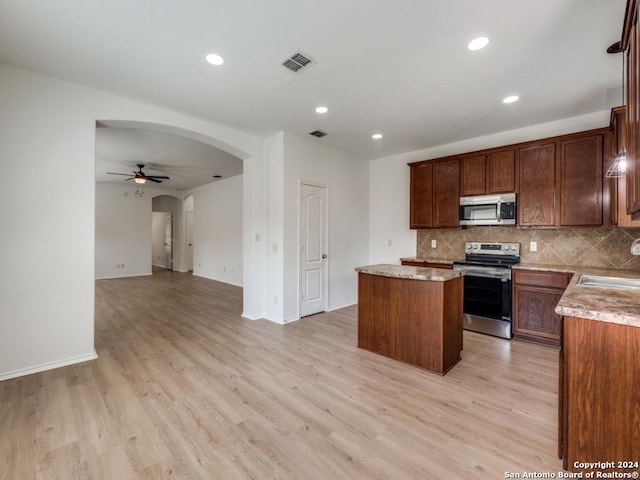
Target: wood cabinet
{"points": [[535, 296], [423, 263], [599, 394], [536, 185], [630, 42], [487, 173], [421, 195], [618, 186], [559, 182], [580, 181], [414, 321], [434, 194]]}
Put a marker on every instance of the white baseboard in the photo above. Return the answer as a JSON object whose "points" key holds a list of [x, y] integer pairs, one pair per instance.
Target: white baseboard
{"points": [[125, 276], [344, 305], [48, 366]]}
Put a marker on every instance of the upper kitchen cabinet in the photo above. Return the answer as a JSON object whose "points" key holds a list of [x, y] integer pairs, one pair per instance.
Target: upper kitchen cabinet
{"points": [[434, 193], [630, 43], [580, 181], [487, 173], [618, 185], [560, 181], [421, 196], [536, 185]]}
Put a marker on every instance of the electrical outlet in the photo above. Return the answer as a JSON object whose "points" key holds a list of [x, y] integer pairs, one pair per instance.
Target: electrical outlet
{"points": [[434, 244], [533, 246]]}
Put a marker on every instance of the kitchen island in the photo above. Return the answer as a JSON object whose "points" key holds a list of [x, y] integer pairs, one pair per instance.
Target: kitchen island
{"points": [[411, 314]]}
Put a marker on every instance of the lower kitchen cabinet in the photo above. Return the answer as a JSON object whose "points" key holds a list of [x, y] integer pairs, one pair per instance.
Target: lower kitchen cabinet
{"points": [[535, 296], [422, 263], [599, 395]]}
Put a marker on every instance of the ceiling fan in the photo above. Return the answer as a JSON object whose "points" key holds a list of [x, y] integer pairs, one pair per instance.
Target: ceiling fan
{"points": [[140, 176]]}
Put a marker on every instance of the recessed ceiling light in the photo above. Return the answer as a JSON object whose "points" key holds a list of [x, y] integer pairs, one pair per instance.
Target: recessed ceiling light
{"points": [[322, 109], [478, 43], [510, 99], [376, 136], [215, 59]]}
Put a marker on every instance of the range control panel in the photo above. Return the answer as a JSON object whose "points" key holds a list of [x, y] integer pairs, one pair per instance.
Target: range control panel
{"points": [[492, 248]]}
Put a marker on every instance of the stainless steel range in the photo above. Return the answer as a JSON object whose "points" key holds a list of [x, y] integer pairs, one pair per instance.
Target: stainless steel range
{"points": [[487, 286]]}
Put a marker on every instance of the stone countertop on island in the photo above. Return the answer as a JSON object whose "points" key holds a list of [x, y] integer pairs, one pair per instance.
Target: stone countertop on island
{"points": [[411, 273]]}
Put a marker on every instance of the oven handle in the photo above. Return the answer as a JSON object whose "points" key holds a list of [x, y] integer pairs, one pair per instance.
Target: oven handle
{"points": [[486, 275]]}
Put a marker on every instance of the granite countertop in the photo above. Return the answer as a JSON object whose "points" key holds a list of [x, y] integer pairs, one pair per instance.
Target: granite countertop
{"points": [[411, 273], [604, 304]]}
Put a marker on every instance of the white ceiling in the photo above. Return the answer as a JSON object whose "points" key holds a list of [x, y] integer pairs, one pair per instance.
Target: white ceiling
{"points": [[188, 163], [398, 67]]}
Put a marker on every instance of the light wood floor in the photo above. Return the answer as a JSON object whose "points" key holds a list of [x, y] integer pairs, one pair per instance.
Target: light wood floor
{"points": [[186, 388]]}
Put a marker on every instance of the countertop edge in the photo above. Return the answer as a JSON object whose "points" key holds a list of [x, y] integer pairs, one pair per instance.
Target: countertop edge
{"points": [[410, 272]]}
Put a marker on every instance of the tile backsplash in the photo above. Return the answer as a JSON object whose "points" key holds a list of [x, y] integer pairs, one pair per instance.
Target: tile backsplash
{"points": [[596, 247]]}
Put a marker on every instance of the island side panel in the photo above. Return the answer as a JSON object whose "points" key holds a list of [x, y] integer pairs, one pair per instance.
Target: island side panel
{"points": [[602, 381], [452, 322], [374, 331], [416, 311]]}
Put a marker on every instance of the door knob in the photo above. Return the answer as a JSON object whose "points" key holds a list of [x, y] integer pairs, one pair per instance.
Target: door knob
{"points": [[324, 255]]}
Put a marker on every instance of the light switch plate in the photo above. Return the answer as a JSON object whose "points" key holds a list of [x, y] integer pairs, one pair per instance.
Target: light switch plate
{"points": [[533, 246], [434, 244]]}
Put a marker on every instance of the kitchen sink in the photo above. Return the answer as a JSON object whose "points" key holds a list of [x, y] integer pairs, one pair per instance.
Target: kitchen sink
{"points": [[609, 282]]}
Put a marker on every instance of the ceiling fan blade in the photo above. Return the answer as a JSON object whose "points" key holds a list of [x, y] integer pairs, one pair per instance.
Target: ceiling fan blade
{"points": [[113, 173], [153, 180], [157, 176], [127, 179]]}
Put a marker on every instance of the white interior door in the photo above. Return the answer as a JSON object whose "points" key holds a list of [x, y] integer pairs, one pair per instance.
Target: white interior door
{"points": [[189, 241], [168, 241], [313, 249]]}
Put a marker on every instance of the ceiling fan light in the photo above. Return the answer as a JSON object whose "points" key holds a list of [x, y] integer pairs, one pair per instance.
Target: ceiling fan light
{"points": [[139, 180]]}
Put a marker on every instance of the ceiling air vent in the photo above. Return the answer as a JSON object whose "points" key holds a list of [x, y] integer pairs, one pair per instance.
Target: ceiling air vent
{"points": [[318, 133], [297, 62]]}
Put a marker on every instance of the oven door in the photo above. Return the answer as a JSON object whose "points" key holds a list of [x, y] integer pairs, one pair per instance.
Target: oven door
{"points": [[487, 304]]}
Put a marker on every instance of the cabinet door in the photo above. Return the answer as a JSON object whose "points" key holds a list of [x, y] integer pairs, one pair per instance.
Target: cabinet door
{"points": [[580, 181], [473, 177], [501, 172], [536, 185], [534, 313], [421, 196], [446, 193], [633, 122]]}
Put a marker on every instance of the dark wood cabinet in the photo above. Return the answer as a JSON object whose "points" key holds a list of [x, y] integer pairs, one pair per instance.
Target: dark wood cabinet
{"points": [[421, 263], [421, 195], [446, 194], [473, 175], [535, 296], [501, 171], [434, 193], [414, 321], [487, 173], [559, 182], [537, 184], [599, 394], [630, 42], [580, 181]]}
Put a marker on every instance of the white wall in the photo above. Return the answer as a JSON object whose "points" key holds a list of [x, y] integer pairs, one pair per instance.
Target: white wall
{"points": [[123, 232], [389, 182], [347, 179], [217, 231], [47, 147]]}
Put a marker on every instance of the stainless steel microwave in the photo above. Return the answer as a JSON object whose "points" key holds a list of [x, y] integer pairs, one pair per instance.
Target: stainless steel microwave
{"points": [[488, 209]]}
